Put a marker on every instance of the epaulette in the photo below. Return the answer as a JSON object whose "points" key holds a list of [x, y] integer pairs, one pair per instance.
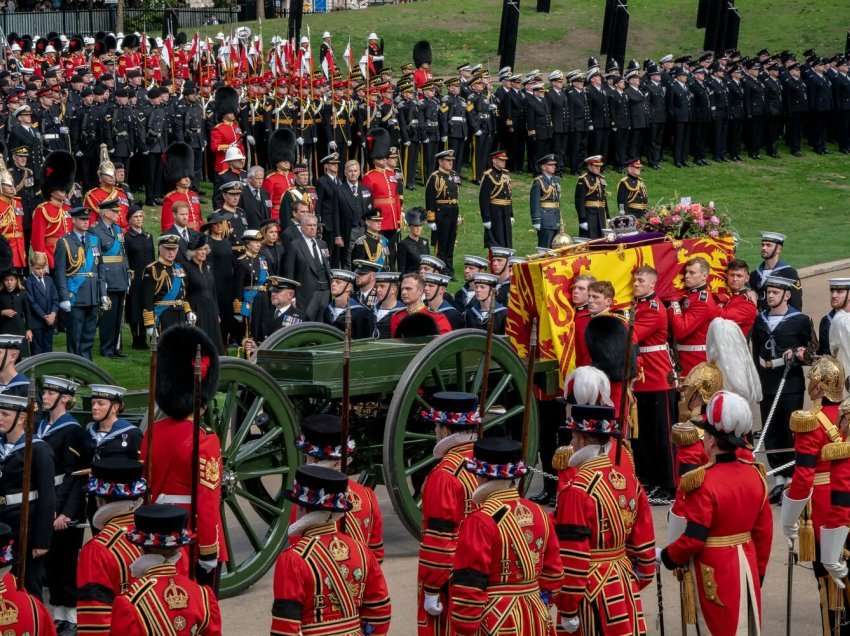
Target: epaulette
{"points": [[561, 458], [835, 451], [685, 434], [803, 421], [693, 479]]}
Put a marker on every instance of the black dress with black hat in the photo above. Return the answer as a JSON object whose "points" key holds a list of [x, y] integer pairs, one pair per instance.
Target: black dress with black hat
{"points": [[204, 300], [221, 261]]}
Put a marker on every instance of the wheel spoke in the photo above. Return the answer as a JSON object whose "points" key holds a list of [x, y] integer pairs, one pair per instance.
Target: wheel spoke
{"points": [[460, 378], [420, 465], [422, 401], [231, 561], [228, 409], [479, 377], [497, 391], [246, 526], [245, 426], [438, 378], [250, 449], [255, 473], [503, 417], [265, 505], [420, 436]]}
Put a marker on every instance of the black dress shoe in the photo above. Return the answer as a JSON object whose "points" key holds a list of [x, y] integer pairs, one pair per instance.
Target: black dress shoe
{"points": [[776, 494]]}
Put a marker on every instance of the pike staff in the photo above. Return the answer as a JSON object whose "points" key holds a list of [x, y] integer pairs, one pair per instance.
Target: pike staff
{"points": [[23, 530], [346, 400], [196, 456]]}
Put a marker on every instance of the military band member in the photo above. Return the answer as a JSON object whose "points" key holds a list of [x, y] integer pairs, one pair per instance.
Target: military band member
{"points": [[12, 219], [441, 205], [431, 119], [249, 277], [29, 615], [725, 524], [689, 317], [454, 126], [226, 133], [487, 593], [387, 302], [364, 272], [103, 570], [484, 307], [320, 443], [495, 203], [326, 579], [411, 248], [631, 191], [436, 301], [163, 289], [772, 244], [372, 246], [472, 265], [111, 435], [782, 336], [161, 597], [342, 289], [50, 220], [839, 299], [80, 281]]}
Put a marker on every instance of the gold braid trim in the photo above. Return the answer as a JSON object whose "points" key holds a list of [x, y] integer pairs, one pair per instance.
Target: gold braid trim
{"points": [[685, 434], [693, 479]]}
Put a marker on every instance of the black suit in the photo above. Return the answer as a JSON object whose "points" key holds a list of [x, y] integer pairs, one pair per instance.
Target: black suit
{"points": [[184, 244], [559, 108], [350, 210], [679, 109], [301, 265], [256, 209]]}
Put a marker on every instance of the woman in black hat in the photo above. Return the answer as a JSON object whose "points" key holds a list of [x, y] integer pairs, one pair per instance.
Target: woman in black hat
{"points": [[201, 289], [221, 261]]}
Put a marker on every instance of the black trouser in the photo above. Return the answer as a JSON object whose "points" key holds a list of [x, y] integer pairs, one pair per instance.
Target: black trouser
{"points": [[446, 235], [779, 434], [42, 340], [559, 147], [544, 237], [817, 131], [842, 130], [316, 306], [539, 148], [794, 131], [720, 128], [736, 127], [481, 145], [619, 145], [652, 447], [578, 150], [772, 128], [110, 325], [550, 414], [636, 143], [459, 146], [755, 136], [656, 143], [153, 177], [410, 157], [198, 167], [500, 233], [81, 328], [341, 254], [87, 171], [429, 149], [516, 150], [61, 564], [392, 247], [597, 142], [680, 142], [698, 130]]}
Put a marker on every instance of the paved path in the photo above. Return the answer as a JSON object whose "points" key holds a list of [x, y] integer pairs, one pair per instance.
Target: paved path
{"points": [[249, 614]]}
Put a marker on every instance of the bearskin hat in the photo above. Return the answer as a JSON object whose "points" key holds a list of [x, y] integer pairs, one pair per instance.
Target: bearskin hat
{"points": [[378, 143], [179, 163], [57, 172], [281, 147], [130, 40], [607, 337], [181, 39], [422, 53], [175, 378], [226, 101], [75, 43], [110, 43], [417, 325]]}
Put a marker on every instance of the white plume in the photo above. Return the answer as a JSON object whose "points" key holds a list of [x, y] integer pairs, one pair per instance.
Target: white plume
{"points": [[730, 413], [727, 347], [839, 338], [590, 386]]}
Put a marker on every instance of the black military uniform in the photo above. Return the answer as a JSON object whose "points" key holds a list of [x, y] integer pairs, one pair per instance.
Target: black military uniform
{"points": [[410, 249], [760, 274], [631, 193], [841, 94], [621, 124], [156, 142], [680, 112], [454, 124], [447, 308], [475, 317], [249, 281], [125, 131], [362, 318], [482, 126], [820, 105], [496, 204], [538, 123], [164, 291], [796, 103], [755, 110], [223, 178], [28, 137], [429, 111], [190, 127], [719, 99], [545, 204], [600, 119], [559, 111], [835, 284], [25, 186], [591, 202], [737, 113], [140, 252], [657, 96], [441, 205], [701, 119], [639, 117], [266, 318], [410, 122]]}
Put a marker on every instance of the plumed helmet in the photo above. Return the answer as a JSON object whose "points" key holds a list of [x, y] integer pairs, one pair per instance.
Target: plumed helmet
{"points": [[282, 146], [226, 101], [57, 172], [728, 414], [826, 378], [703, 380], [179, 163], [175, 370], [106, 167], [422, 53], [6, 177], [607, 338], [727, 348]]}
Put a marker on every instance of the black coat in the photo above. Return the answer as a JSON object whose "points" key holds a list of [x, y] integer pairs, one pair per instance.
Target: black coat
{"points": [[794, 331], [579, 110], [820, 93], [657, 102], [618, 104], [221, 261], [265, 321], [736, 100], [43, 509], [773, 96], [701, 103], [754, 103], [274, 257], [795, 95], [299, 264], [600, 115], [362, 320], [140, 253], [202, 297], [256, 210], [408, 253], [17, 302], [538, 119], [71, 452], [679, 103], [559, 110], [638, 108]]}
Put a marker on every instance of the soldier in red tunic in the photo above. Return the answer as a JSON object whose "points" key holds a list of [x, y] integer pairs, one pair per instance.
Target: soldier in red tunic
{"points": [[20, 612], [738, 303], [326, 583], [281, 158], [320, 443], [603, 521], [446, 501], [103, 569], [725, 526], [170, 465], [50, 220], [131, 59], [489, 593], [179, 167], [382, 182], [422, 58], [226, 132], [12, 218], [689, 318], [161, 600], [107, 190], [579, 293]]}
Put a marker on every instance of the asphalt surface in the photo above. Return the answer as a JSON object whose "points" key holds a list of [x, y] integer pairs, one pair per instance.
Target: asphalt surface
{"points": [[250, 613]]}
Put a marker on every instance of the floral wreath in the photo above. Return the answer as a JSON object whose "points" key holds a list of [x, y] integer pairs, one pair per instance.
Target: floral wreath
{"points": [[319, 499], [159, 539]]}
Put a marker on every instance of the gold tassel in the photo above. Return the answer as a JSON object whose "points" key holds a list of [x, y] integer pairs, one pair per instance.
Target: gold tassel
{"points": [[689, 596], [561, 458], [835, 451], [806, 536], [836, 596]]}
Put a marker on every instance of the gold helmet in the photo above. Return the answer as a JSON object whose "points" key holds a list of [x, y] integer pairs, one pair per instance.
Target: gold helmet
{"points": [[561, 239], [704, 379], [106, 168], [826, 379], [6, 177]]}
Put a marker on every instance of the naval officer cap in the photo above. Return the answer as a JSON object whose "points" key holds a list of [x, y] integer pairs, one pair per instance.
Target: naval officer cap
{"points": [[362, 266], [279, 283]]}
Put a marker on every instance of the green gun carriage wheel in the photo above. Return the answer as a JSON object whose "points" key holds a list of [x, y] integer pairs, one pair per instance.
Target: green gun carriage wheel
{"points": [[305, 334], [67, 365], [454, 362], [256, 424]]}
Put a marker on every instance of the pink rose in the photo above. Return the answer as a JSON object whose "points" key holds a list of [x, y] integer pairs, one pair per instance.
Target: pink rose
{"points": [[701, 222], [676, 218], [654, 220], [678, 207], [696, 208], [714, 219], [713, 233]]}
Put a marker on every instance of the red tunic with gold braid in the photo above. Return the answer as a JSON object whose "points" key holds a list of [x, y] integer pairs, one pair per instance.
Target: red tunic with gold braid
{"points": [[50, 222], [276, 185], [383, 184], [103, 572], [21, 613], [446, 501], [162, 601], [166, 218], [728, 533], [507, 554], [604, 526], [328, 584], [98, 195], [689, 322], [98, 68], [12, 229], [364, 521], [690, 451], [222, 136], [127, 61], [171, 479], [738, 308]]}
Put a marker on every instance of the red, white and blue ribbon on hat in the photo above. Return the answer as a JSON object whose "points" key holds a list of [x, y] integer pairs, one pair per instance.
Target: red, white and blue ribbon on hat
{"points": [[319, 499], [589, 425], [7, 555], [451, 418], [159, 539], [496, 471], [323, 452], [101, 488]]}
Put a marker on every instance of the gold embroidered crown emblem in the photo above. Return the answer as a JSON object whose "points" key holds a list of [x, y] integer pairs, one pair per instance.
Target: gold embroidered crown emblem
{"points": [[339, 549], [618, 481], [8, 612], [523, 516], [176, 597], [356, 503]]}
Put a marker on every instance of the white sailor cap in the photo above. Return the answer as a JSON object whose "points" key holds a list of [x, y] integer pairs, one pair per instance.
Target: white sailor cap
{"points": [[436, 279], [343, 274], [502, 252], [59, 384], [373, 36], [483, 278], [780, 282], [773, 237], [87, 40], [666, 58], [517, 260], [16, 46], [387, 277], [432, 261], [108, 392], [475, 261], [556, 75], [10, 341], [505, 70], [13, 402], [839, 283]]}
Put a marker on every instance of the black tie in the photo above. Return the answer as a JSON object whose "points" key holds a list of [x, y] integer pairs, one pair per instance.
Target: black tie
{"points": [[316, 251]]}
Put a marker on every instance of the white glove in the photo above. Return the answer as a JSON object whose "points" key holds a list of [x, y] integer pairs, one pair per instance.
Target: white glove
{"points": [[300, 141], [63, 130], [149, 332], [838, 572], [208, 564], [332, 146], [432, 604], [444, 139], [658, 555], [536, 226], [433, 227], [105, 303], [65, 305], [348, 143], [583, 226], [192, 317], [570, 625], [487, 225], [79, 153], [478, 133], [315, 139], [513, 220], [406, 143], [251, 140], [237, 317]]}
